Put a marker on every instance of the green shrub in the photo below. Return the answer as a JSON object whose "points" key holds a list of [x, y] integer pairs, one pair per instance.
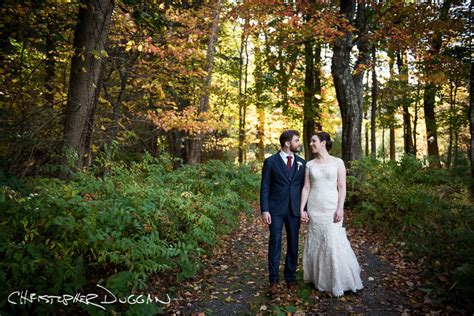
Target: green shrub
{"points": [[57, 237], [428, 210]]}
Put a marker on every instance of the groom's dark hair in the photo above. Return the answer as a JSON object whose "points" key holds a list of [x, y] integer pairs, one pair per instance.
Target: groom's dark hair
{"points": [[287, 136]]}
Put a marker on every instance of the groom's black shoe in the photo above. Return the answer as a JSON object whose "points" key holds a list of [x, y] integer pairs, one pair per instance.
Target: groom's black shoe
{"points": [[292, 287], [272, 290]]}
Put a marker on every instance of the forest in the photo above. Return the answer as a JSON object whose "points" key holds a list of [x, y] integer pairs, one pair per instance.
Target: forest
{"points": [[133, 135]]}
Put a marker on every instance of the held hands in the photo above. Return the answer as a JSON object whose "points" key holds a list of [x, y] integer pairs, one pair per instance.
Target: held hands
{"points": [[267, 218], [304, 216], [338, 215]]}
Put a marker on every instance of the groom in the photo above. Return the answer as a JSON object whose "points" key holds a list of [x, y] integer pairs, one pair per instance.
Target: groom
{"points": [[280, 194]]}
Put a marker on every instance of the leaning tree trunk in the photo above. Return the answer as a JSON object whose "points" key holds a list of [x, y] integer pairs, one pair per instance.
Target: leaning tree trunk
{"points": [[86, 72], [194, 145], [348, 80]]}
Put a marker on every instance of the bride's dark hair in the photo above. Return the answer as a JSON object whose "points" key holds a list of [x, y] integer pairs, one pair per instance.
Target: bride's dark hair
{"points": [[323, 136]]}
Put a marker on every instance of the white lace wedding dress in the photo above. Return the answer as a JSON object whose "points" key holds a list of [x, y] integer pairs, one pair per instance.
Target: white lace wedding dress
{"points": [[328, 260]]}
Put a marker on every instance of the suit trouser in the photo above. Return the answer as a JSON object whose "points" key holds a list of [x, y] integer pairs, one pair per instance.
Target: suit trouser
{"points": [[292, 226]]}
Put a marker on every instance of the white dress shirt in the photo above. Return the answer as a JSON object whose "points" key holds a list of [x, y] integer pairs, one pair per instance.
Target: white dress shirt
{"points": [[283, 156]]}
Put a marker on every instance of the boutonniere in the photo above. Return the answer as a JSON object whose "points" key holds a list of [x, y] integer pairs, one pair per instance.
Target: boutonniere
{"points": [[299, 165]]}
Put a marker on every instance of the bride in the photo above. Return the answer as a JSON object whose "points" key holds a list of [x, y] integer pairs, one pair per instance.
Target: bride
{"points": [[328, 259]]}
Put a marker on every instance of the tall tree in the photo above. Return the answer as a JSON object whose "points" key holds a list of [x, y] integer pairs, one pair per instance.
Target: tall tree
{"points": [[406, 100], [195, 143], [312, 88], [373, 108], [348, 80], [243, 67], [86, 75], [121, 63], [259, 97], [416, 109], [50, 64], [391, 111], [431, 88], [471, 124], [367, 122]]}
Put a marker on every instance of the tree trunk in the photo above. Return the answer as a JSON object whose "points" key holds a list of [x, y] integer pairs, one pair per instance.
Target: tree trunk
{"points": [[85, 80], [403, 74], [373, 114], [195, 142], [450, 148], [367, 138], [246, 77], [49, 71], [430, 121], [451, 123], [429, 97], [312, 87], [455, 125], [260, 105], [415, 121], [122, 63], [367, 124], [261, 133], [392, 143], [152, 145], [114, 103], [383, 143], [391, 110], [348, 81], [407, 132], [242, 93], [471, 124], [175, 142], [89, 128], [456, 150]]}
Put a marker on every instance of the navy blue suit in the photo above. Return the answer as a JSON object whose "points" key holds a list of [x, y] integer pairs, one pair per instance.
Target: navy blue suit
{"points": [[280, 194]]}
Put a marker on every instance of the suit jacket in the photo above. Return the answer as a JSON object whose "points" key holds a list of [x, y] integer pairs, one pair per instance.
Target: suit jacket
{"points": [[280, 189]]}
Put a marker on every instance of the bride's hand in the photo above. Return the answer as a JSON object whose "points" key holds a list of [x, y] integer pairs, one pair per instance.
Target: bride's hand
{"points": [[338, 215], [304, 216]]}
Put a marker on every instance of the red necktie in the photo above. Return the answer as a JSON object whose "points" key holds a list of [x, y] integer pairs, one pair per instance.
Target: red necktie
{"points": [[288, 164]]}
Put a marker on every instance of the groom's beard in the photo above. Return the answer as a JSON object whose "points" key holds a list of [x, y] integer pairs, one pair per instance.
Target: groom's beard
{"points": [[295, 150]]}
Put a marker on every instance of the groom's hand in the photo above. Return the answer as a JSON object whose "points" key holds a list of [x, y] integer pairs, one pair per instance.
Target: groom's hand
{"points": [[267, 218]]}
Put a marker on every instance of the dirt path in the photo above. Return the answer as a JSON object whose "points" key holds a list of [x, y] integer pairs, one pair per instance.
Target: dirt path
{"points": [[234, 282]]}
